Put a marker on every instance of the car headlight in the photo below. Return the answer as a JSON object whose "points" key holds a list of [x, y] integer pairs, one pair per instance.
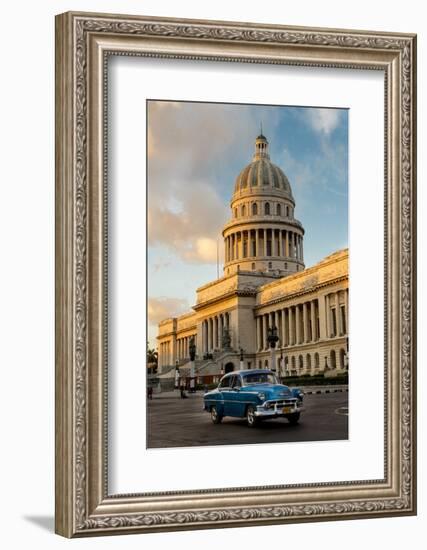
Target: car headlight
{"points": [[261, 396]]}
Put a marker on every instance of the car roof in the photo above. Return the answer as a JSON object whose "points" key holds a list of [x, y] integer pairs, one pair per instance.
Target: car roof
{"points": [[248, 371]]}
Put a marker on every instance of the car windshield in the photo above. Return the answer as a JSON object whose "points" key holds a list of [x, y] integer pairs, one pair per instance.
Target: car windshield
{"points": [[259, 378]]}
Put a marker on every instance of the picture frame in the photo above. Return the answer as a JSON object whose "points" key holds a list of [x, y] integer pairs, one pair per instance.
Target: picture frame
{"points": [[84, 42]]}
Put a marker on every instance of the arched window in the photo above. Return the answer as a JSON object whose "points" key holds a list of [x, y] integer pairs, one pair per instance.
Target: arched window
{"points": [[308, 361], [316, 361], [235, 212], [254, 209], [266, 363], [279, 210], [270, 265], [287, 211], [253, 266], [243, 210], [286, 265], [238, 267], [267, 209], [300, 363]]}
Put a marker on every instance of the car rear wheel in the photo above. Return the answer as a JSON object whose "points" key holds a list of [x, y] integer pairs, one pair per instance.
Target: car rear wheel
{"points": [[251, 419], [215, 416], [294, 418]]}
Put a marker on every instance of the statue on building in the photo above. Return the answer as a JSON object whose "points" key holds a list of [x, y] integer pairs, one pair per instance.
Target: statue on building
{"points": [[226, 338]]}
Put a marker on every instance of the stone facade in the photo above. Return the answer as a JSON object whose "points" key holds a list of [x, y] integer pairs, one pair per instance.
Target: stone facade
{"points": [[265, 285]]}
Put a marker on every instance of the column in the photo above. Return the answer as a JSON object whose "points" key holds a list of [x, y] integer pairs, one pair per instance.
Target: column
{"points": [[328, 316], [256, 242], [305, 327], [216, 324], [280, 243], [259, 332], [338, 315], [322, 317], [297, 324], [265, 331], [291, 326], [287, 244], [313, 320], [346, 309], [265, 242], [221, 329]]}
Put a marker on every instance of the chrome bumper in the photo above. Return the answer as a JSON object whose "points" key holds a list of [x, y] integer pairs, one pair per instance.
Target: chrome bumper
{"points": [[275, 411]]}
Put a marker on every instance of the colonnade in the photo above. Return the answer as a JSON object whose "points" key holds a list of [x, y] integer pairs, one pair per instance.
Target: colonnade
{"points": [[306, 322], [212, 331], [264, 242]]}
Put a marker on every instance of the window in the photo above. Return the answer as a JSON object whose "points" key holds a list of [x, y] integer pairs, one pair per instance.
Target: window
{"points": [[287, 211], [243, 210], [238, 267], [270, 265], [286, 265], [235, 212], [254, 209], [267, 209], [253, 266], [279, 210]]}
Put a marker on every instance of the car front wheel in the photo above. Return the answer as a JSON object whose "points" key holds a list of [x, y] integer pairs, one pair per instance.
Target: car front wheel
{"points": [[251, 419], [215, 416]]}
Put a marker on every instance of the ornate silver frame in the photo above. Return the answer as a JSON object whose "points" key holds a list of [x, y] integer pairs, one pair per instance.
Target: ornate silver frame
{"points": [[83, 505]]}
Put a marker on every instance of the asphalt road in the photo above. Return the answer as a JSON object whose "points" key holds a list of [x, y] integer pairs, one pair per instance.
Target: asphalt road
{"points": [[175, 422]]}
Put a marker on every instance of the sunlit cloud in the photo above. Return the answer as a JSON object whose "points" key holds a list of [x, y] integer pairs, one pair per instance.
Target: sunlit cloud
{"points": [[160, 308]]}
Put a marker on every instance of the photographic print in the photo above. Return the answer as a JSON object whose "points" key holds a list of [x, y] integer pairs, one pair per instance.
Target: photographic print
{"points": [[248, 279]]}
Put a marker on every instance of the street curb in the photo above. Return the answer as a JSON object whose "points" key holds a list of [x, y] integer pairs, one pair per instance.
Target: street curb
{"points": [[329, 390]]}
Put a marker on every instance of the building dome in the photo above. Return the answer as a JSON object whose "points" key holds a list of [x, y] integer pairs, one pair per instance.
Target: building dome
{"points": [[261, 174], [263, 234]]}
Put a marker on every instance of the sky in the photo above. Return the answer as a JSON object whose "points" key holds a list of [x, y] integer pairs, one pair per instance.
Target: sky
{"points": [[196, 151]]}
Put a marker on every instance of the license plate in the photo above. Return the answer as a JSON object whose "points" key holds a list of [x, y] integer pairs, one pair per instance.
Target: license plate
{"points": [[287, 410]]}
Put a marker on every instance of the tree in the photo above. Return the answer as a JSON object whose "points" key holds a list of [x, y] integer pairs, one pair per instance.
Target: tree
{"points": [[152, 358]]}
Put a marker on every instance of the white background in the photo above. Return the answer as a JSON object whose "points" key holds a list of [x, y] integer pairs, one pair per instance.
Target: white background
{"points": [[133, 80], [27, 273]]}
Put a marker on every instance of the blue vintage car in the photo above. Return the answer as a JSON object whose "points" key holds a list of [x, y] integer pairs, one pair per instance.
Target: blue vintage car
{"points": [[255, 394]]}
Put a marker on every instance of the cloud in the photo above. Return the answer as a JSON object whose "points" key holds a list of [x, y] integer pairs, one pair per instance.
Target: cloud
{"points": [[188, 146], [162, 307], [323, 121]]}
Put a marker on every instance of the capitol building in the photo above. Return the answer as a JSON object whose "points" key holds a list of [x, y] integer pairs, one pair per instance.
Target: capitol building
{"points": [[265, 290]]}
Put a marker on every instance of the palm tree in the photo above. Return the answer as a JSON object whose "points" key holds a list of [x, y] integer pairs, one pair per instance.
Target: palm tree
{"points": [[152, 357]]}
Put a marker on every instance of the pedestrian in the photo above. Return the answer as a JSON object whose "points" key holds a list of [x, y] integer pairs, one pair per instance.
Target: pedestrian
{"points": [[150, 392]]}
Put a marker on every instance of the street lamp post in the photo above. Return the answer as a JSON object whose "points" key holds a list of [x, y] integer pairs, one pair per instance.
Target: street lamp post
{"points": [[346, 356], [281, 369], [176, 375], [272, 340], [192, 350]]}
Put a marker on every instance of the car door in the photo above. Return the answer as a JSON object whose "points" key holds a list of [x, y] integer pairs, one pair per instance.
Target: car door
{"points": [[224, 393], [235, 403]]}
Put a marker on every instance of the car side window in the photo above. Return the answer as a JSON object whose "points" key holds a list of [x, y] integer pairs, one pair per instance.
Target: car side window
{"points": [[225, 383], [237, 383]]}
